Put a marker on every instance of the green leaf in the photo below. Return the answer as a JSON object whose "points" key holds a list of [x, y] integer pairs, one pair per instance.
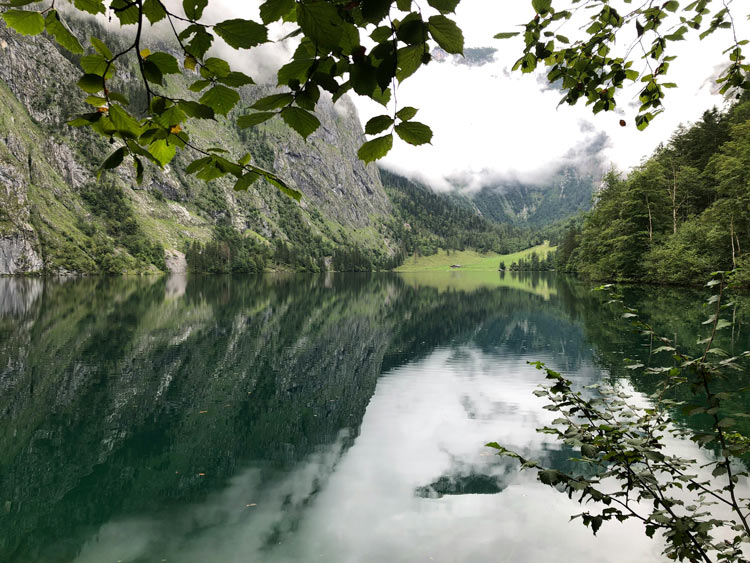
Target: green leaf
{"points": [[589, 450], [381, 34], [241, 34], [378, 124], [549, 476], [274, 101], [506, 34], [101, 48], [246, 180], [196, 110], [215, 66], [194, 8], [85, 119], [199, 85], [414, 133], [282, 186], [373, 11], [295, 70], [138, 170], [252, 119], [381, 96], [273, 10], [302, 121], [96, 101], [444, 6], [91, 6], [236, 79], [409, 60], [200, 42], [375, 149], [125, 124], [25, 23], [152, 73], [91, 83], [166, 63], [97, 64], [406, 113], [198, 164], [541, 6], [221, 99], [320, 21], [126, 11], [447, 34], [56, 28], [114, 160], [154, 11], [162, 151]]}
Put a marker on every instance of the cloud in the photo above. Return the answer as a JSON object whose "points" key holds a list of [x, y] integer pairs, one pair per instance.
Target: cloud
{"points": [[492, 125]]}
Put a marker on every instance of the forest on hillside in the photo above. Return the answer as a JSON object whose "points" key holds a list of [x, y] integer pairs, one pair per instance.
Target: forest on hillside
{"points": [[425, 221], [682, 214]]}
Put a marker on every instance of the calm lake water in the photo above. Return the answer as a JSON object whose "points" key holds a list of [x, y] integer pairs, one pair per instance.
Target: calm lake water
{"points": [[304, 418]]}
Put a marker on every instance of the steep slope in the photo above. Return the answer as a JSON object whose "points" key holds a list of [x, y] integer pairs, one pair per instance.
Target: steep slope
{"points": [[425, 221], [566, 194], [56, 216]]}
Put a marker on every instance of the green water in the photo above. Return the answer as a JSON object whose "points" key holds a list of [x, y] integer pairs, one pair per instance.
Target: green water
{"points": [[302, 418]]}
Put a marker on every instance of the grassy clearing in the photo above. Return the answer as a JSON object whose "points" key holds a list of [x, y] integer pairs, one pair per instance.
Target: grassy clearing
{"points": [[469, 260]]}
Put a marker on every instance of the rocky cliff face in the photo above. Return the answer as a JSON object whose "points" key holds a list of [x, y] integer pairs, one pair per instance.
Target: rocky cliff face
{"points": [[49, 218]]}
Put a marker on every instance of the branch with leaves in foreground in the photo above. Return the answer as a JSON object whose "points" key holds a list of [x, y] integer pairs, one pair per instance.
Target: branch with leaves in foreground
{"points": [[364, 47], [700, 517]]}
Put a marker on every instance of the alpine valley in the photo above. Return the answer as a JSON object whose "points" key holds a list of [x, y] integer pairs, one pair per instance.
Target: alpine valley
{"points": [[58, 216]]}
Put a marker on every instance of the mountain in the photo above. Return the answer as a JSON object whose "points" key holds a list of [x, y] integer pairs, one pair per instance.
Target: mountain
{"points": [[426, 220], [567, 193], [56, 216]]}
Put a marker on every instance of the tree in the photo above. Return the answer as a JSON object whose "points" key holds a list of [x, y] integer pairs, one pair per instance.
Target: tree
{"points": [[331, 57]]}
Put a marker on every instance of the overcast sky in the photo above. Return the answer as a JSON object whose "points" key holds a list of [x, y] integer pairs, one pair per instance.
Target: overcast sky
{"points": [[492, 126]]}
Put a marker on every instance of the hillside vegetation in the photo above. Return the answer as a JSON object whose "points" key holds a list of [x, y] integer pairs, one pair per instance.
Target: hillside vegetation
{"points": [[682, 214]]}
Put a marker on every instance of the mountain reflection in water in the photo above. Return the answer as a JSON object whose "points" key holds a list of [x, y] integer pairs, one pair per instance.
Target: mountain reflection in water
{"points": [[297, 418]]}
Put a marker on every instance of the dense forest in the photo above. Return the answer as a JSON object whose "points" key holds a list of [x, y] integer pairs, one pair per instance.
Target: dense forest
{"points": [[682, 214], [425, 221]]}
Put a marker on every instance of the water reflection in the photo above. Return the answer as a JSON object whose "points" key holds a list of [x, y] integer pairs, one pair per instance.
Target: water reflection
{"points": [[293, 418]]}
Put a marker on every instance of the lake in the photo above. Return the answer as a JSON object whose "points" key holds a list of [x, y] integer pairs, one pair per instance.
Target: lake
{"points": [[338, 417]]}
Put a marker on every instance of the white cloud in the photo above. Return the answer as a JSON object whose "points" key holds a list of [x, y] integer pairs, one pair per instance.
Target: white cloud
{"points": [[492, 126]]}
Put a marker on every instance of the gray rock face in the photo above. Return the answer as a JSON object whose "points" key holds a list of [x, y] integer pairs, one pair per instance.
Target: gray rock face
{"points": [[17, 254]]}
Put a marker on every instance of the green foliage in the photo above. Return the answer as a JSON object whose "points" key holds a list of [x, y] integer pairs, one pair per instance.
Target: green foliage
{"points": [[681, 215], [228, 253], [533, 263], [425, 221], [588, 68], [636, 476], [108, 202]]}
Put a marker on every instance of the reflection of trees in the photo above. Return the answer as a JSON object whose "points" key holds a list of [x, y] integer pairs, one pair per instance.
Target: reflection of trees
{"points": [[103, 380], [104, 383], [676, 313]]}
